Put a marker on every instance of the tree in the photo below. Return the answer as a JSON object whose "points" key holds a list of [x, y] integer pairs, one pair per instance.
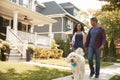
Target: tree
{"points": [[112, 49], [112, 5], [110, 20]]}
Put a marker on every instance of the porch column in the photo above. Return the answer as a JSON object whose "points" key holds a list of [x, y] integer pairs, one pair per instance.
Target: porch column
{"points": [[8, 34], [17, 1], [32, 28], [50, 33], [15, 21]]}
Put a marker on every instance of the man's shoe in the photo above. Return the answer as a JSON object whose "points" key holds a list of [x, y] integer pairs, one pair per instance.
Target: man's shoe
{"points": [[91, 74], [96, 76]]}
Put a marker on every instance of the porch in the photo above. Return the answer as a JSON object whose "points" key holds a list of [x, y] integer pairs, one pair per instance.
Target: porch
{"points": [[18, 23]]}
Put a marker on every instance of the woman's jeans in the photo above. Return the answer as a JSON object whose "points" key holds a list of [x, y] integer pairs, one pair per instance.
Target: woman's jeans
{"points": [[91, 52]]}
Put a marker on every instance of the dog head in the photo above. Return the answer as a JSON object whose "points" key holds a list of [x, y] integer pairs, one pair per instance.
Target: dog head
{"points": [[72, 57], [79, 51]]}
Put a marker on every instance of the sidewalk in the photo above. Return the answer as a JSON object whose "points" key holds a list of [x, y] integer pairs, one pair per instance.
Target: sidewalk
{"points": [[105, 73]]}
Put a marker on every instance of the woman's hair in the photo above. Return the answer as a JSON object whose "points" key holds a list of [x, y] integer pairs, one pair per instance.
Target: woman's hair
{"points": [[75, 28]]}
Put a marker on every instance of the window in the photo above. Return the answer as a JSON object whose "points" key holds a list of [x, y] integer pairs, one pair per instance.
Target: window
{"points": [[69, 24], [5, 22]]}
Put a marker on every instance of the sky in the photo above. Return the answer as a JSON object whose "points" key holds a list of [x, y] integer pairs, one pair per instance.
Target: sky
{"points": [[81, 4]]}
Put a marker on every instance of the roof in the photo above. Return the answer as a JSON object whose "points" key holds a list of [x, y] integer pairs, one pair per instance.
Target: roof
{"points": [[52, 8], [7, 8], [68, 5]]}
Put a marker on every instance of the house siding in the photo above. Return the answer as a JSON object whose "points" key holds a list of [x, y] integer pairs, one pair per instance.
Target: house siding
{"points": [[57, 27], [40, 29]]}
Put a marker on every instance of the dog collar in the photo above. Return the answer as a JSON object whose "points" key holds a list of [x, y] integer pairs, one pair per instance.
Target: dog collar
{"points": [[73, 64]]}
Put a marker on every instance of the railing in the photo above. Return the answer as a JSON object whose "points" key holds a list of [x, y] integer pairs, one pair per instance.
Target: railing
{"points": [[34, 38], [15, 40]]}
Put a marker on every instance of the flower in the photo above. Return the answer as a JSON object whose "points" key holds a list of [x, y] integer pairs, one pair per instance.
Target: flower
{"points": [[32, 47], [6, 44]]}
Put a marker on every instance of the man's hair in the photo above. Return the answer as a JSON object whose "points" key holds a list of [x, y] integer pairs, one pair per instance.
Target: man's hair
{"points": [[94, 19]]}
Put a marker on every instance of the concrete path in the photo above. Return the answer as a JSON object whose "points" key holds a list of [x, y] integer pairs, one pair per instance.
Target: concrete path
{"points": [[105, 73]]}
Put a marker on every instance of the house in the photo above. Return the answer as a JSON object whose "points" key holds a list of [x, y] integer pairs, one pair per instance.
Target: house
{"points": [[66, 14], [17, 20]]}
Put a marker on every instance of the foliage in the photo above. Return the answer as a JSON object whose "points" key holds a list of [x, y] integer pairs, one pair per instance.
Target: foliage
{"points": [[111, 22], [106, 50], [54, 45], [48, 53], [112, 49], [13, 71], [61, 43], [66, 48], [116, 77], [111, 5], [6, 44], [32, 47], [109, 59]]}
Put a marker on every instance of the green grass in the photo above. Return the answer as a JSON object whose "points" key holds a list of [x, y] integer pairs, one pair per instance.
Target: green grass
{"points": [[23, 71], [105, 64], [116, 77]]}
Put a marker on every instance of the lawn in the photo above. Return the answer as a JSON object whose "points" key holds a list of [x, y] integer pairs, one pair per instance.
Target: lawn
{"points": [[23, 71], [59, 62], [116, 77], [62, 62]]}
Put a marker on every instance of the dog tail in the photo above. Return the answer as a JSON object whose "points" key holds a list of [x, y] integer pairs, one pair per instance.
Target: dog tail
{"points": [[79, 51]]}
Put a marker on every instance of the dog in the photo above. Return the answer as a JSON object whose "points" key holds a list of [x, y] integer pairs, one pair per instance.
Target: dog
{"points": [[77, 61]]}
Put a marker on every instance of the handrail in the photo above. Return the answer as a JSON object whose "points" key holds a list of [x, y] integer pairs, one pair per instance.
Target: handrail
{"points": [[16, 36]]}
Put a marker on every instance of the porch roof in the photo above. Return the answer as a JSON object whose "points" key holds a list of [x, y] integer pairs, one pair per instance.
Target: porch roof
{"points": [[7, 9]]}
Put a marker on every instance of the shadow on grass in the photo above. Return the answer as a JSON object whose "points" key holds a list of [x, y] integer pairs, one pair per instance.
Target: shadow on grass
{"points": [[41, 73]]}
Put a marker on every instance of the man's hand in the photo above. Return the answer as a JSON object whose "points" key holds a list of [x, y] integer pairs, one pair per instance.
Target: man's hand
{"points": [[101, 47], [86, 50]]}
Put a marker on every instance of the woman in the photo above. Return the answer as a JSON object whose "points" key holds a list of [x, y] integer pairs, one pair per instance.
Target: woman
{"points": [[78, 39]]}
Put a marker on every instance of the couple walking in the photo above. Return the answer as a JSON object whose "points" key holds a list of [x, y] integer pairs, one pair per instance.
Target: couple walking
{"points": [[94, 42]]}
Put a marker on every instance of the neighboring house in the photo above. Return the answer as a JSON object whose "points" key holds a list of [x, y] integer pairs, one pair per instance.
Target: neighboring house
{"points": [[66, 14], [17, 20]]}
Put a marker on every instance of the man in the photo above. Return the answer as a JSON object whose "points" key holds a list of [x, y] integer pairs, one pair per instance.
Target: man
{"points": [[95, 42]]}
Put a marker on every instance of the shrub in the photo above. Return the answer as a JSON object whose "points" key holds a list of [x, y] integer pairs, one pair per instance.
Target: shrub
{"points": [[48, 53], [112, 49], [31, 47], [6, 44], [54, 45], [66, 48], [109, 59], [106, 50], [61, 43]]}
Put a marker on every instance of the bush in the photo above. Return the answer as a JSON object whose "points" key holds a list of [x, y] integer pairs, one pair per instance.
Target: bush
{"points": [[106, 50], [66, 48], [48, 53], [112, 49], [54, 45], [61, 43], [109, 59]]}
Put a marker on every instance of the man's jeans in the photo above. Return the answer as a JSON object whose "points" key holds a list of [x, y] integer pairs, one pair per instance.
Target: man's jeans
{"points": [[91, 52]]}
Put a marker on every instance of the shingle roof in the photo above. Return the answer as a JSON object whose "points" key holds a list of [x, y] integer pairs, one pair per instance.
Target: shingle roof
{"points": [[52, 8], [68, 4]]}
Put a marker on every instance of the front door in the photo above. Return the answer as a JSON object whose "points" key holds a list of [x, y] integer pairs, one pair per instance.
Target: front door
{"points": [[3, 26]]}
